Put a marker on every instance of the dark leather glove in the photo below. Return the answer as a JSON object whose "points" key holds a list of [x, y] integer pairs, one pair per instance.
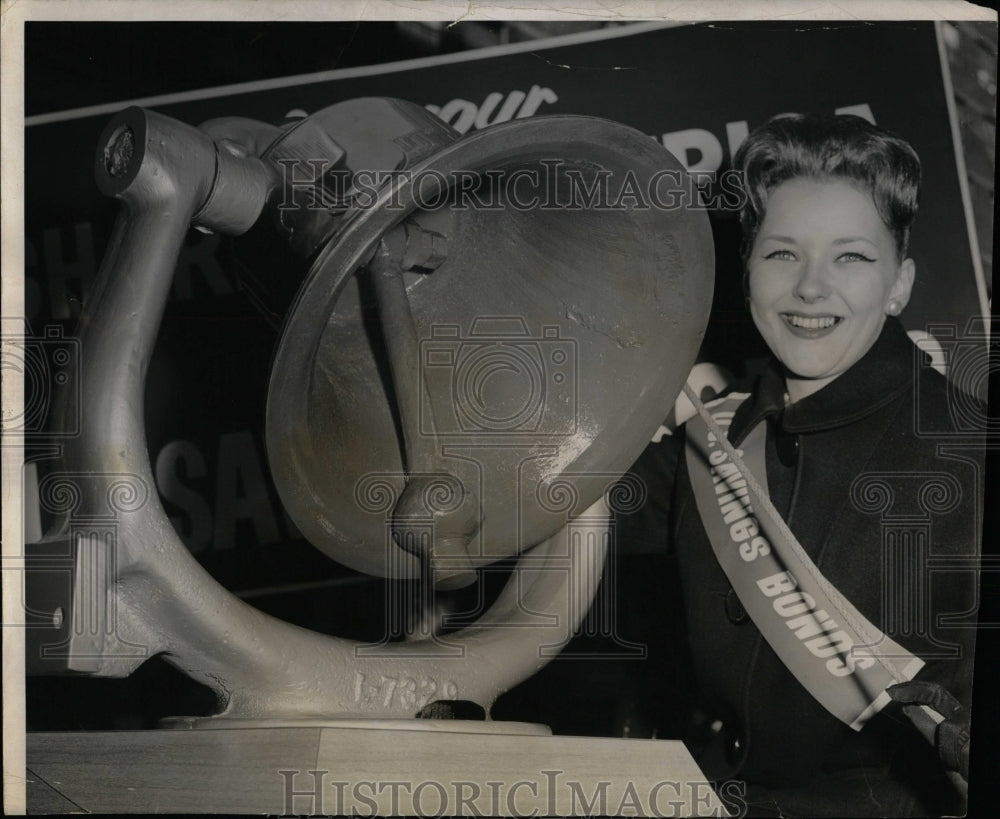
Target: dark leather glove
{"points": [[951, 736]]}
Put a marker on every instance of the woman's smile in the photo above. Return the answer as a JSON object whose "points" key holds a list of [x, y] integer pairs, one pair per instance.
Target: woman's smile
{"points": [[810, 326]]}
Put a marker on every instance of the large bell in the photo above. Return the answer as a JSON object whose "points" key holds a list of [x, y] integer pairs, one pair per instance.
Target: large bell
{"points": [[453, 384], [485, 338]]}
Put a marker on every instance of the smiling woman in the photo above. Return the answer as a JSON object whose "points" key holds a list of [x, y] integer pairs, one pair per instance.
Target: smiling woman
{"points": [[804, 715], [826, 227], [823, 275]]}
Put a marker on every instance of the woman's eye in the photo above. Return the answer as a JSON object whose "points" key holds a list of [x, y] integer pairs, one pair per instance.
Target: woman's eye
{"points": [[854, 257], [781, 254]]}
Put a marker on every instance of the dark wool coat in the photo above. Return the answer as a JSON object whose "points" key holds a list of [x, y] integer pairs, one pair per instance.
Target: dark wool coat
{"points": [[879, 474]]}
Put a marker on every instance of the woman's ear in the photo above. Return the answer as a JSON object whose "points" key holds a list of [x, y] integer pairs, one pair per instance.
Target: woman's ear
{"points": [[900, 292]]}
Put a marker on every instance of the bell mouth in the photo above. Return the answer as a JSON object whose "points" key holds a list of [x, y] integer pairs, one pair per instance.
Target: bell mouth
{"points": [[553, 335]]}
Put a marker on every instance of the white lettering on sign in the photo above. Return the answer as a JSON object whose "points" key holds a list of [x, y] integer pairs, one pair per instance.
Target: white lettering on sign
{"points": [[736, 132], [65, 261], [697, 150], [240, 492], [700, 151], [464, 115], [242, 498], [67, 264], [177, 461], [863, 110]]}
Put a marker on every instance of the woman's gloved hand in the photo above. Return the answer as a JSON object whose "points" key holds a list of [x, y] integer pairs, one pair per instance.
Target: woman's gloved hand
{"points": [[950, 735]]}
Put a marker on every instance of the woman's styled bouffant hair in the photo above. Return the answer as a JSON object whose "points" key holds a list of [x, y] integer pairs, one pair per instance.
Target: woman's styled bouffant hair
{"points": [[818, 146]]}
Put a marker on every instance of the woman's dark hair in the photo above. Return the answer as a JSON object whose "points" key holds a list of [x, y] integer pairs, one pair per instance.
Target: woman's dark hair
{"points": [[818, 146]]}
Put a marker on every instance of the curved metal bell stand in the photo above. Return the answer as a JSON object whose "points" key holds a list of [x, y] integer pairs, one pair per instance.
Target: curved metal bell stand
{"points": [[168, 176], [160, 601]]}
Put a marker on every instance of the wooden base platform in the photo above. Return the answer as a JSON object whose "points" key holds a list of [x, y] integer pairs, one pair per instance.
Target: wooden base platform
{"points": [[363, 770]]}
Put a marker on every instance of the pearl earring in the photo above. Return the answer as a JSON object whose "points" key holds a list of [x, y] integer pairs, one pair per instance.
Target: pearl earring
{"points": [[893, 308]]}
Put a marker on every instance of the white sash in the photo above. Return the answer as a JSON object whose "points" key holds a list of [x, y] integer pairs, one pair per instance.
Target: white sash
{"points": [[843, 660]]}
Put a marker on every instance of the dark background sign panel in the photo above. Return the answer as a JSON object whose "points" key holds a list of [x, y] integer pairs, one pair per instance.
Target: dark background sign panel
{"points": [[696, 88]]}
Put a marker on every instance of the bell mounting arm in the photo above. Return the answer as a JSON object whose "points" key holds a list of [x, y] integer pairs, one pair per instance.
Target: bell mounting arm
{"points": [[157, 598]]}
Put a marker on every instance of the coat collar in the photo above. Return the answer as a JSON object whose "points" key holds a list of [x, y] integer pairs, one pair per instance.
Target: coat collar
{"points": [[884, 372]]}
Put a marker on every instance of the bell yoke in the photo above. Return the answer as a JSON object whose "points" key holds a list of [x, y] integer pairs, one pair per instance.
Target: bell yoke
{"points": [[379, 466]]}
